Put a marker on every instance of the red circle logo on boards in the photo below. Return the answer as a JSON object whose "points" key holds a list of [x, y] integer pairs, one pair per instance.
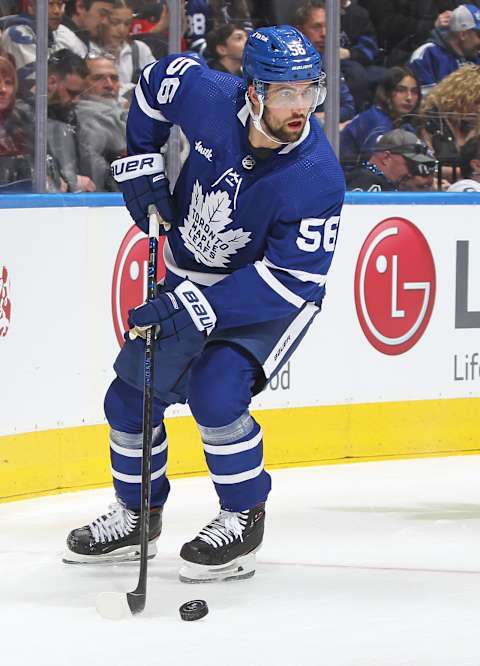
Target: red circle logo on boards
{"points": [[394, 286], [5, 301], [129, 283]]}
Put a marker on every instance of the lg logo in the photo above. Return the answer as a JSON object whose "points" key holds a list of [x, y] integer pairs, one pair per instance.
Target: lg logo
{"points": [[129, 283], [394, 286]]}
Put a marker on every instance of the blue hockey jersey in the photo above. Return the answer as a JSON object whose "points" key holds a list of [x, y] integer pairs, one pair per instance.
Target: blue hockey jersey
{"points": [[358, 138], [435, 60], [259, 234], [198, 20]]}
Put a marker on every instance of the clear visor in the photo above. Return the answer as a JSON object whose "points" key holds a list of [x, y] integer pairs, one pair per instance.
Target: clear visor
{"points": [[302, 94]]}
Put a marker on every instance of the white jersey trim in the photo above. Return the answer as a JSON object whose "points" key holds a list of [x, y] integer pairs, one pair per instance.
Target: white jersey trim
{"points": [[205, 279], [230, 479], [277, 286], [229, 449], [304, 276], [148, 69], [146, 108]]}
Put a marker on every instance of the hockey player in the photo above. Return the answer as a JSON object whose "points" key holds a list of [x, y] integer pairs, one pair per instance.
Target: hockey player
{"points": [[254, 215]]}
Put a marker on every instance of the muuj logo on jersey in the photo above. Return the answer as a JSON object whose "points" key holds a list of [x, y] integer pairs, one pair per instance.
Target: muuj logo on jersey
{"points": [[394, 286], [204, 231], [5, 302], [129, 282]]}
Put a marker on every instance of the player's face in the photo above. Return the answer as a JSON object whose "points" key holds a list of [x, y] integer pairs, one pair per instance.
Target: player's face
{"points": [[7, 91], [315, 28], [103, 79], [118, 27], [405, 95], [56, 9], [287, 106]]}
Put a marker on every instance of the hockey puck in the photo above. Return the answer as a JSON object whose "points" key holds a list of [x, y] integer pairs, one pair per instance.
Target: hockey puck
{"points": [[193, 610]]}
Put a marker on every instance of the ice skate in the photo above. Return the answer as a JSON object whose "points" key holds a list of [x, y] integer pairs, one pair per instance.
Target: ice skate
{"points": [[113, 537], [225, 548]]}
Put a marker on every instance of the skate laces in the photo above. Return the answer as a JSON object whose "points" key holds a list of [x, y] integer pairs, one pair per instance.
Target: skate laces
{"points": [[225, 528], [116, 523]]}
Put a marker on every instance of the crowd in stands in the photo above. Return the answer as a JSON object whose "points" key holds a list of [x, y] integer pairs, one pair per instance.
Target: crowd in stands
{"points": [[409, 89]]}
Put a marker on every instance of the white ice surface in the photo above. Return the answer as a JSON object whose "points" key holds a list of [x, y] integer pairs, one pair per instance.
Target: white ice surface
{"points": [[372, 564]]}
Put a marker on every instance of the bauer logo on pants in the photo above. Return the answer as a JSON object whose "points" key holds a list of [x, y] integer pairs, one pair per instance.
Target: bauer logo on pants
{"points": [[129, 283], [5, 301], [394, 286]]}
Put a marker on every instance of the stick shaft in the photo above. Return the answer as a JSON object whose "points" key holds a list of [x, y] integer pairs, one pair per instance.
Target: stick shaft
{"points": [[137, 598]]}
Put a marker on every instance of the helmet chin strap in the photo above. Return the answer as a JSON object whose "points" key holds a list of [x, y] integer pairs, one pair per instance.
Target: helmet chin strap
{"points": [[257, 119]]}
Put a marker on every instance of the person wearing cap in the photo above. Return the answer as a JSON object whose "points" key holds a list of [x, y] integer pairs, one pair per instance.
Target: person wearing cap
{"points": [[397, 156], [449, 49], [470, 166]]}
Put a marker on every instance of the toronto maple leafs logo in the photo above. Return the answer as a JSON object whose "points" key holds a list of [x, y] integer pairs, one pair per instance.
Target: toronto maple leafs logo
{"points": [[204, 231]]}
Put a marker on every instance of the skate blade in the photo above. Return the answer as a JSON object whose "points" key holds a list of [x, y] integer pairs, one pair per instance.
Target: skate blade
{"points": [[239, 569], [127, 554]]}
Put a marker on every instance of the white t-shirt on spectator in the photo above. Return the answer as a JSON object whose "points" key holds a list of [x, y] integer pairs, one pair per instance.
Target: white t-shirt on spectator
{"points": [[67, 39], [466, 185]]}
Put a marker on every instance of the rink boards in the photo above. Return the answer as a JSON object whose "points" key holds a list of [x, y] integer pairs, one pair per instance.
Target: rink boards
{"points": [[390, 368]]}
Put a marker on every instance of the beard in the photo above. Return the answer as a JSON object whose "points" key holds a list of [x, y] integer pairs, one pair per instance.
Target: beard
{"points": [[280, 130]]}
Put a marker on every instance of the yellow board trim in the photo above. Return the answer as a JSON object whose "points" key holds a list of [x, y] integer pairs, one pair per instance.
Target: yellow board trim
{"points": [[53, 461]]}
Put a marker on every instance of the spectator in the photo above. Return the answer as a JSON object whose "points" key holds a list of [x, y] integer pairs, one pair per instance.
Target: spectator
{"points": [[131, 56], [231, 11], [206, 15], [397, 99], [150, 24], [447, 51], [403, 25], [19, 40], [226, 44], [450, 116], [397, 155], [66, 82], [102, 122], [16, 134], [358, 53], [310, 18], [470, 167], [83, 23]]}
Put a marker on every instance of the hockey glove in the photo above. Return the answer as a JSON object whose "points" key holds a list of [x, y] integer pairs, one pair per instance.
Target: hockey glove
{"points": [[176, 314], [142, 181]]}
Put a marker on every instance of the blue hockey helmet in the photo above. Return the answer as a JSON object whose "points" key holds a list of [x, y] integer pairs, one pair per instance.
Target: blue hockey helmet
{"points": [[280, 53]]}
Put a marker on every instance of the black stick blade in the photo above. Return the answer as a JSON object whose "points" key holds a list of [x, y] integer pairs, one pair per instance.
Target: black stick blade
{"points": [[136, 601]]}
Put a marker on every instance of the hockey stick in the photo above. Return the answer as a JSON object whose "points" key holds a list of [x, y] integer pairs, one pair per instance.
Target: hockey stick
{"points": [[115, 605]]}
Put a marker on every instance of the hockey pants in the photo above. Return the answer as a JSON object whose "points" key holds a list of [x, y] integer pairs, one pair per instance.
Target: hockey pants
{"points": [[219, 392]]}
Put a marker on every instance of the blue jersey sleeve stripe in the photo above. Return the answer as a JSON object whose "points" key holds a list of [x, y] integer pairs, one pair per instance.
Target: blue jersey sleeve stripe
{"points": [[303, 276], [277, 286]]}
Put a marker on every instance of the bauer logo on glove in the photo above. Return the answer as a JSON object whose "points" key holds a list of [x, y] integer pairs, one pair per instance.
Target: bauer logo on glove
{"points": [[142, 181]]}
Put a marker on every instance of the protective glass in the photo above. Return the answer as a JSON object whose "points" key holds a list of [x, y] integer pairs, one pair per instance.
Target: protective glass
{"points": [[307, 95]]}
